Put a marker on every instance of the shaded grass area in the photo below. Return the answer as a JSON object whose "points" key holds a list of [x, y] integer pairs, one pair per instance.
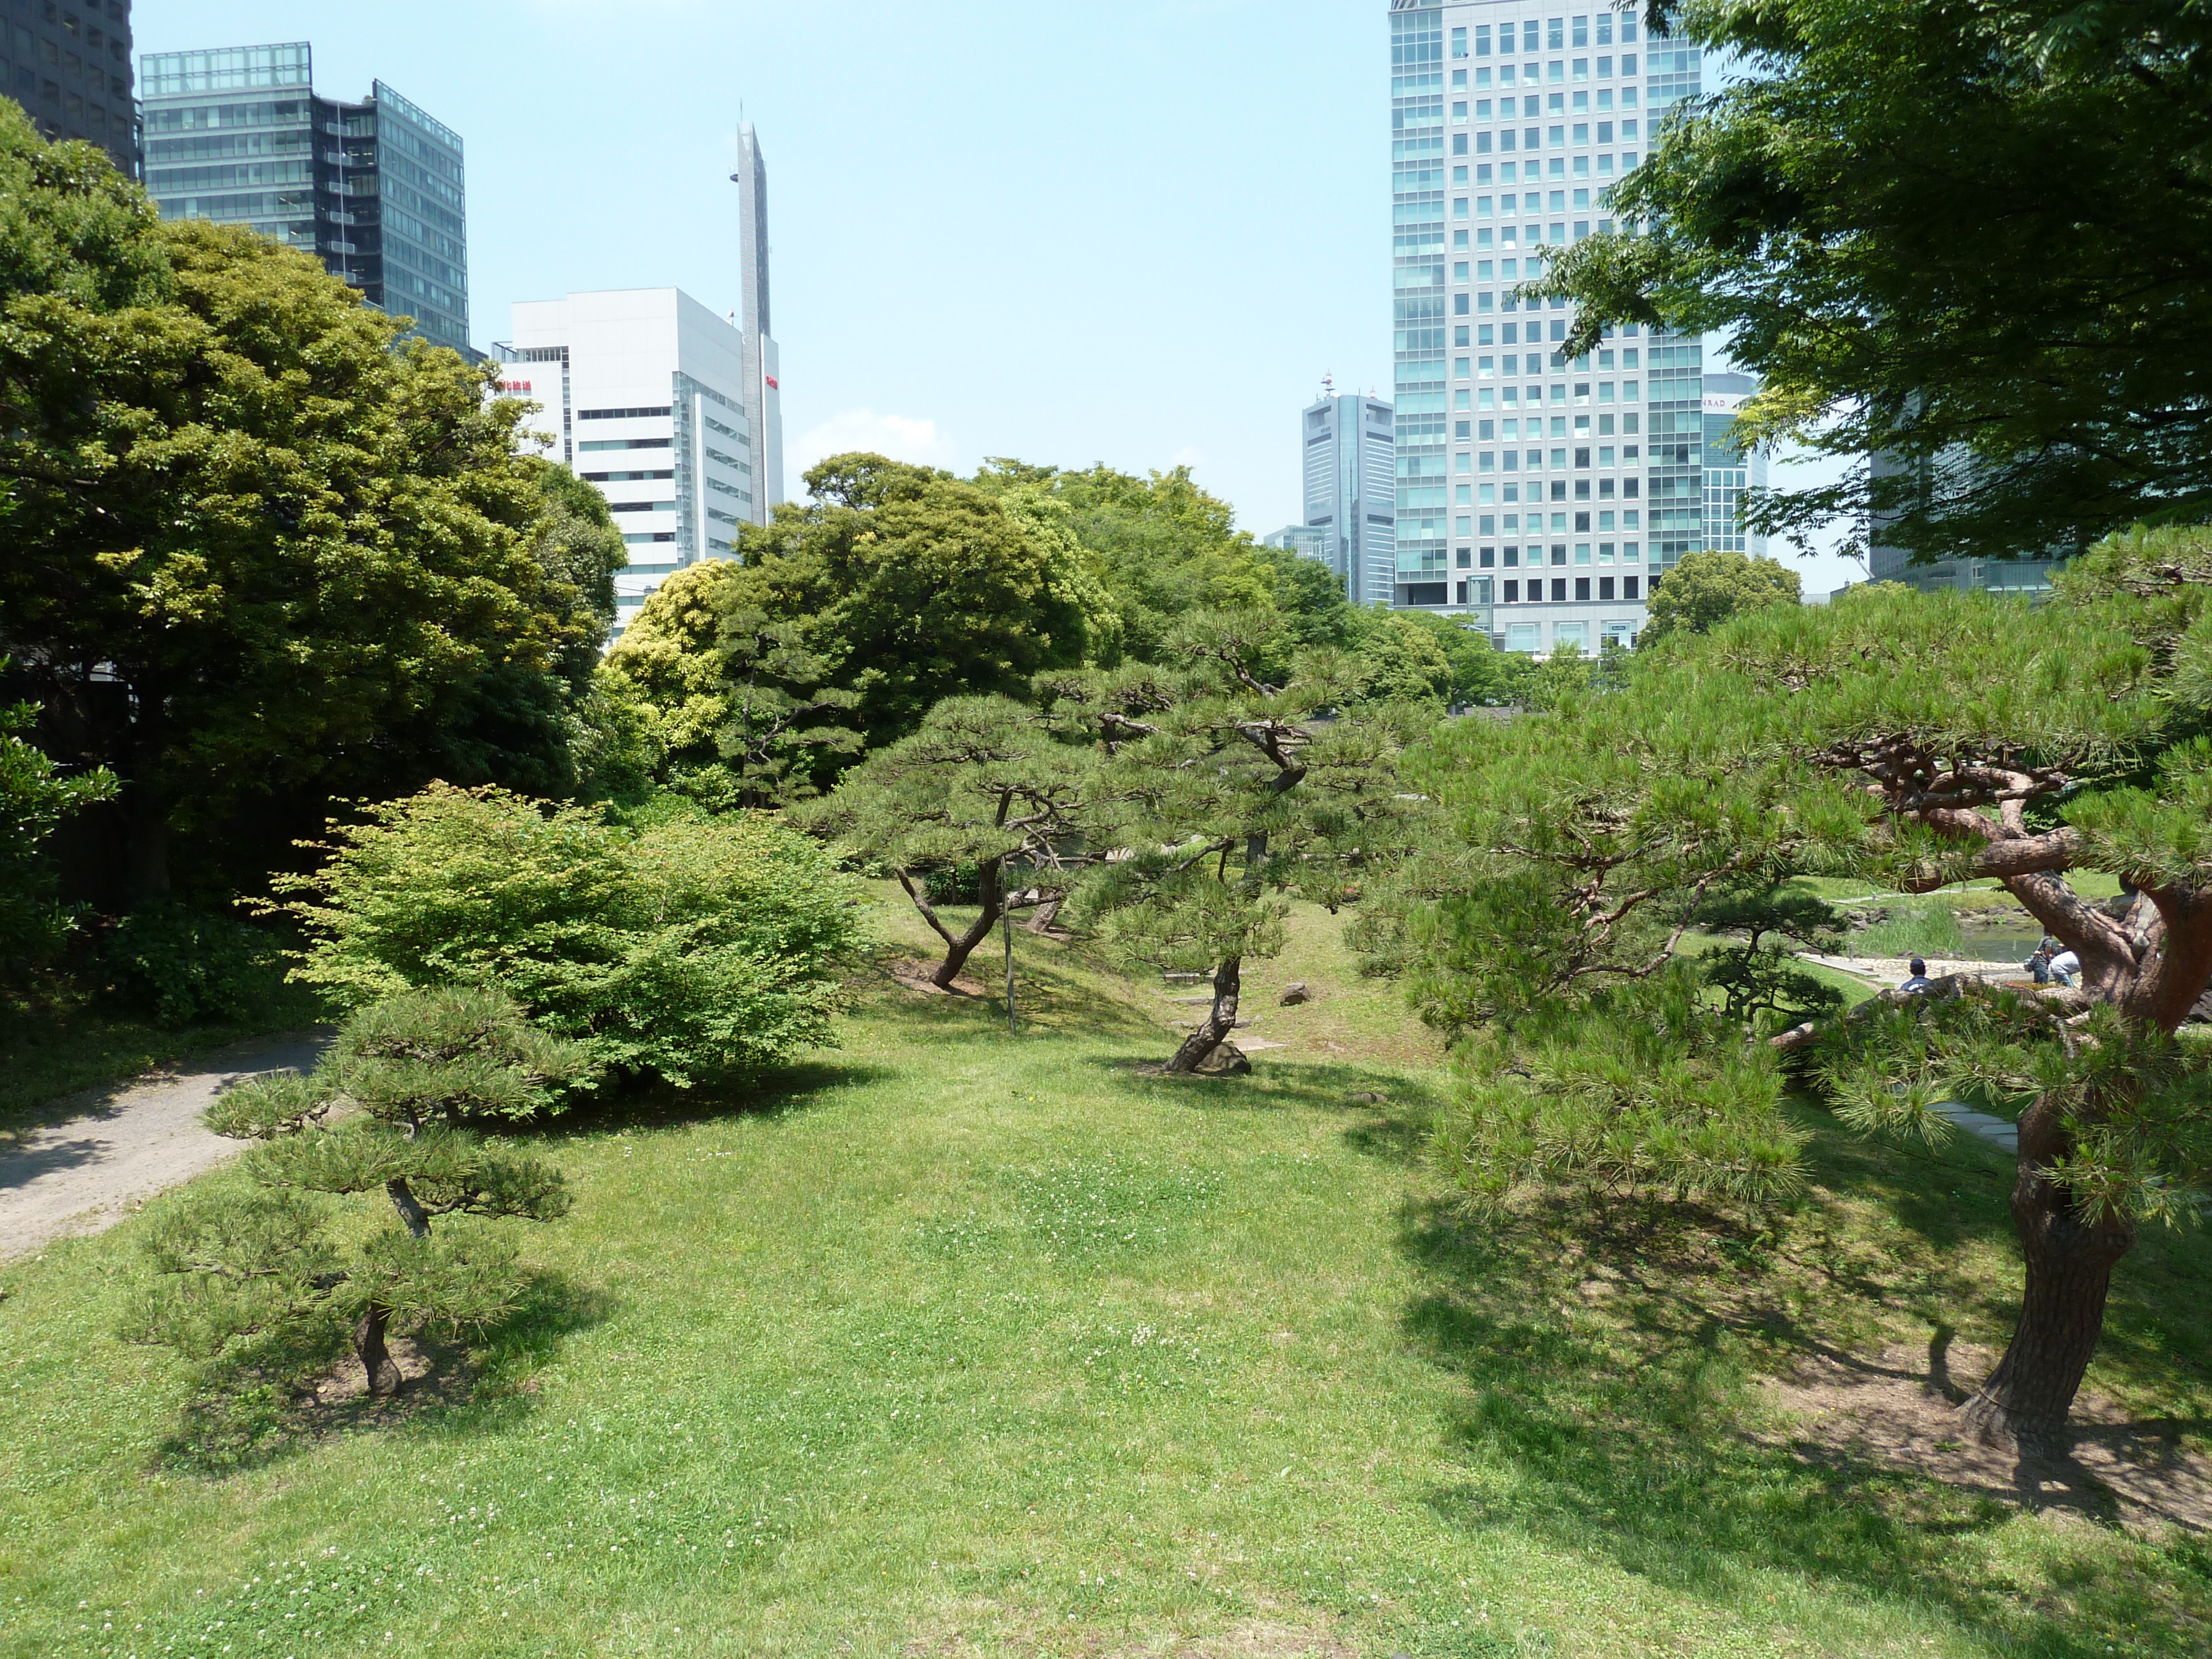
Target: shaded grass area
{"points": [[954, 1343]]}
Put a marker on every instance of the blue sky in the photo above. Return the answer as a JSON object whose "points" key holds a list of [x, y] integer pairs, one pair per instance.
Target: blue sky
{"points": [[1138, 232]]}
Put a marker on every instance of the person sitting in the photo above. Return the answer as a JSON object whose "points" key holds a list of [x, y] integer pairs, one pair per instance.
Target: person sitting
{"points": [[1919, 980]]}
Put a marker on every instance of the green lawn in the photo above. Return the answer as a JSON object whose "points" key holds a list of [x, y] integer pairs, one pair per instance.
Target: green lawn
{"points": [[953, 1344]]}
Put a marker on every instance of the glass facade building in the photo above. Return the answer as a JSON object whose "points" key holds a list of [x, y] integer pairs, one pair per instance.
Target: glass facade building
{"points": [[1348, 469], [69, 66], [1555, 490], [375, 190]]}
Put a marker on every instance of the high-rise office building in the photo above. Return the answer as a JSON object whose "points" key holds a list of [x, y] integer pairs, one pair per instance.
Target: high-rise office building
{"points": [[1554, 489], [1349, 448], [1729, 470], [1309, 541], [374, 190], [1954, 470], [763, 368], [69, 66], [642, 393]]}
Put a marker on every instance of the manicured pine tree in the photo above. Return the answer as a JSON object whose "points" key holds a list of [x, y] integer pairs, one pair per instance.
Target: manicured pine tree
{"points": [[394, 1108]]}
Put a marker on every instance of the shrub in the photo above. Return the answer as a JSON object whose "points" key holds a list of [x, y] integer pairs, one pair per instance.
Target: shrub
{"points": [[684, 949], [183, 965]]}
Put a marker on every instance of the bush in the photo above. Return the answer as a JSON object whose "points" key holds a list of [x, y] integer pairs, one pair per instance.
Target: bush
{"points": [[183, 965], [687, 948]]}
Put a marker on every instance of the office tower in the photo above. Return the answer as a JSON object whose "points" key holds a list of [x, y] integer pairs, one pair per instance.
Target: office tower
{"points": [[1350, 449], [1523, 475], [69, 66], [1953, 470], [763, 369], [374, 190], [1309, 541], [1729, 470], [642, 391]]}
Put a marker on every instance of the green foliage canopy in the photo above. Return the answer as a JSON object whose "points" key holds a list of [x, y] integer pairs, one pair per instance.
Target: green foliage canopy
{"points": [[1705, 589], [253, 539], [1871, 212]]}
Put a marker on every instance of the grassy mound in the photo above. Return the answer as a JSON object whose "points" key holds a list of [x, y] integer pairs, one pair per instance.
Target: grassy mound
{"points": [[954, 1343]]}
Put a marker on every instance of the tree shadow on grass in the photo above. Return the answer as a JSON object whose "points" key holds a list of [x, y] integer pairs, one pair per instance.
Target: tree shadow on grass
{"points": [[301, 1387], [1612, 1353], [770, 1092], [1390, 1113]]}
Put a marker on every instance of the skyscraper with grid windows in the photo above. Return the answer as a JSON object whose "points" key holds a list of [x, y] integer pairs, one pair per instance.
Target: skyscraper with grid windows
{"points": [[374, 190], [1544, 491]]}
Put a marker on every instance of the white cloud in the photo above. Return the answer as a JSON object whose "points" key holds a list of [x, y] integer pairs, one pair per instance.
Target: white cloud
{"points": [[899, 436]]}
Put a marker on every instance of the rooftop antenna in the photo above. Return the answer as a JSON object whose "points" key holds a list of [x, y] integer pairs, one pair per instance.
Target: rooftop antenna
{"points": [[1329, 386]]}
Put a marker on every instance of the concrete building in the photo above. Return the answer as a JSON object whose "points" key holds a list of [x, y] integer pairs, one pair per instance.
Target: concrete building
{"points": [[642, 393], [375, 190], [69, 66], [1551, 490], [1348, 448], [763, 366]]}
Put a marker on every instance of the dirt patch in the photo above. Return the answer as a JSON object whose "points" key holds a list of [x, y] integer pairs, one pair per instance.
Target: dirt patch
{"points": [[914, 976], [347, 1383], [1899, 1410]]}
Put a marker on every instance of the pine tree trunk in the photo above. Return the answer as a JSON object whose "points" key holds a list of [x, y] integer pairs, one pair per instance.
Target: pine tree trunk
{"points": [[991, 885], [411, 1211], [1220, 1021], [2070, 1268], [376, 1360]]}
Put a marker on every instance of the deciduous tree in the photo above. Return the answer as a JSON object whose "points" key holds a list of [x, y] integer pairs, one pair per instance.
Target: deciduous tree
{"points": [[1705, 589], [1870, 213], [254, 540]]}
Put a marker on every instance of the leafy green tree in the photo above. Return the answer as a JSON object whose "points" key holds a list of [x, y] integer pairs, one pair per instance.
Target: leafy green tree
{"points": [[409, 1080], [686, 949], [1705, 589], [983, 784], [34, 797], [1869, 215], [780, 728], [1910, 740], [255, 541], [845, 621], [1228, 793], [1162, 548]]}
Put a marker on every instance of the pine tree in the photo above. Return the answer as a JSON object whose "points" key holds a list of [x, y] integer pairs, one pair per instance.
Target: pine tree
{"points": [[395, 1107]]}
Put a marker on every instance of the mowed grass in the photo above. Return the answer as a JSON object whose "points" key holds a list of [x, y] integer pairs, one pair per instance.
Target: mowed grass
{"points": [[954, 1343]]}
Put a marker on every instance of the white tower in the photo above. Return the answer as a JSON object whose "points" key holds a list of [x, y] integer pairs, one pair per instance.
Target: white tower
{"points": [[764, 396]]}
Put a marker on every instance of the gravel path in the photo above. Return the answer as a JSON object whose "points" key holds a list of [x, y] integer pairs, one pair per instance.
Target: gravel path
{"points": [[125, 1142]]}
